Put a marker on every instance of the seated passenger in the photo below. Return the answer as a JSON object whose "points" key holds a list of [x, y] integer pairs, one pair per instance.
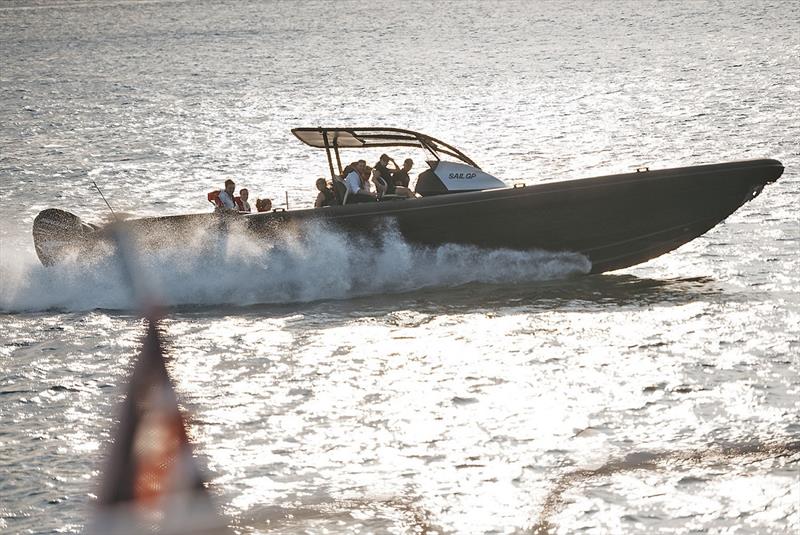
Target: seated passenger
{"points": [[241, 200], [386, 174], [223, 199], [263, 205], [326, 196], [357, 185], [400, 179], [226, 196]]}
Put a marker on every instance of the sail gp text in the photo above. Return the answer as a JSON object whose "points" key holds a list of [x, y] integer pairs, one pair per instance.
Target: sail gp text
{"points": [[461, 176]]}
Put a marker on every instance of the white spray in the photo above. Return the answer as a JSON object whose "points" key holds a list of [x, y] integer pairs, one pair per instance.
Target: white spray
{"points": [[234, 268]]}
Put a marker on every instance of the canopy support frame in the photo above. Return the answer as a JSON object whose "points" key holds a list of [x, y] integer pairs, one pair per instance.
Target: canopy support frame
{"points": [[328, 153], [376, 137]]}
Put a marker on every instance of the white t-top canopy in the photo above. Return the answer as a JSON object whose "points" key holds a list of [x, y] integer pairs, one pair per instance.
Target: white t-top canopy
{"points": [[366, 137]]}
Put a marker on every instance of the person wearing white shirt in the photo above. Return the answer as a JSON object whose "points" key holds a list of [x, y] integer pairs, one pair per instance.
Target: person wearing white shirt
{"points": [[359, 189], [226, 195], [353, 182]]}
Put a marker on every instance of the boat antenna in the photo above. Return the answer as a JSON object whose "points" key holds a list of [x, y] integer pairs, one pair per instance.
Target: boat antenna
{"points": [[104, 200], [287, 200]]}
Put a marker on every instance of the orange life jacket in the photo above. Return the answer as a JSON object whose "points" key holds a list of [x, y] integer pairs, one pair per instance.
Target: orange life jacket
{"points": [[213, 198]]}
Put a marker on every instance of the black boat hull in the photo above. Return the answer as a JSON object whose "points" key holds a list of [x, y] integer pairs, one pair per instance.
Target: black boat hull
{"points": [[616, 221]]}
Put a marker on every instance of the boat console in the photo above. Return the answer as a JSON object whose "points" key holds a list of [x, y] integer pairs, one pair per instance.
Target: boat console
{"points": [[454, 177]]}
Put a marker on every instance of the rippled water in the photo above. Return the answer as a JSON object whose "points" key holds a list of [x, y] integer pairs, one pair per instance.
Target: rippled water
{"points": [[400, 389]]}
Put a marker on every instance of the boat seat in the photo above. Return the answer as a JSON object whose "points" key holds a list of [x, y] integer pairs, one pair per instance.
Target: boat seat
{"points": [[390, 196], [340, 191], [386, 196]]}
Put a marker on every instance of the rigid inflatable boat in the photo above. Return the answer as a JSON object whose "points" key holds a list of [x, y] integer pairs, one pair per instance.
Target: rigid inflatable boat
{"points": [[616, 221]]}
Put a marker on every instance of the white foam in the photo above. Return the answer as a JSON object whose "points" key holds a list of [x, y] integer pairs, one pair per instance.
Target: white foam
{"points": [[313, 263]]}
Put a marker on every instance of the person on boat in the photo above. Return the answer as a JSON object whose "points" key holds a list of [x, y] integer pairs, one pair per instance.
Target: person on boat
{"points": [[385, 174], [348, 169], [263, 205], [383, 166], [241, 201], [401, 180], [326, 196], [358, 184], [225, 198]]}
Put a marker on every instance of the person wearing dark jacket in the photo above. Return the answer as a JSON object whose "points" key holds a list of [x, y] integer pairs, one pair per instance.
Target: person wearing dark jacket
{"points": [[386, 174], [401, 180], [326, 196]]}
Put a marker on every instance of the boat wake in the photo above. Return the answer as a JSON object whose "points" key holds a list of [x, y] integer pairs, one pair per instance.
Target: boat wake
{"points": [[312, 263], [701, 468]]}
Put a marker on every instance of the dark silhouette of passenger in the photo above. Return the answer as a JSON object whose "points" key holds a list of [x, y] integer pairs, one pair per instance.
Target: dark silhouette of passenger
{"points": [[401, 180], [387, 185], [326, 195]]}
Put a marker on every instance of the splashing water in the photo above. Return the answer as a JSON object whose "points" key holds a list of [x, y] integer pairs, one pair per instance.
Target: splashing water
{"points": [[236, 268]]}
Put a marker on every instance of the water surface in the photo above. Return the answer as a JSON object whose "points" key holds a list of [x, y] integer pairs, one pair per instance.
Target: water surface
{"points": [[402, 390]]}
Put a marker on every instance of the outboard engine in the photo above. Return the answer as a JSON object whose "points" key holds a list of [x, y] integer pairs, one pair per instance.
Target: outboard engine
{"points": [[454, 177], [56, 233]]}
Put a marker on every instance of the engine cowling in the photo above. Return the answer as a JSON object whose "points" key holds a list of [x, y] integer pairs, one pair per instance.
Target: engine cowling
{"points": [[56, 233]]}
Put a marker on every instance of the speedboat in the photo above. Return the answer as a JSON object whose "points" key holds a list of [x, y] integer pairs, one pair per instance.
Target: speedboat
{"points": [[615, 221]]}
